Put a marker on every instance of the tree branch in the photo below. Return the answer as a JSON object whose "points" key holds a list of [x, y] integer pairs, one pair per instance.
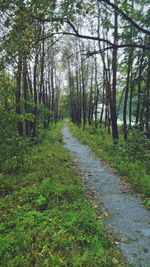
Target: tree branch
{"points": [[88, 37], [125, 16], [95, 38]]}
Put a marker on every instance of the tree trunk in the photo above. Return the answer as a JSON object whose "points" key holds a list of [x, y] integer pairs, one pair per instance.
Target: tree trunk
{"points": [[18, 97], [147, 111], [139, 91], [114, 83], [83, 93], [96, 93], [41, 93], [35, 92], [90, 113], [26, 96], [126, 96]]}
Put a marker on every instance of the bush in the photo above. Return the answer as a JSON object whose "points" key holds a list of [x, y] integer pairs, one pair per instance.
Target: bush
{"points": [[138, 145]]}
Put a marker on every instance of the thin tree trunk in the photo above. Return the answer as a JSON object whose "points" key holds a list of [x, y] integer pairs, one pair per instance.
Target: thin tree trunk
{"points": [[35, 92], [77, 89], [147, 106], [83, 93], [139, 91], [114, 83], [41, 92], [130, 101], [97, 92], [18, 97], [126, 96], [52, 89], [90, 113], [26, 96], [103, 102]]}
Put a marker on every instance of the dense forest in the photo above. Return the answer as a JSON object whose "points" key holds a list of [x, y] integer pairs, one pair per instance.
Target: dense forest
{"points": [[89, 58], [88, 61]]}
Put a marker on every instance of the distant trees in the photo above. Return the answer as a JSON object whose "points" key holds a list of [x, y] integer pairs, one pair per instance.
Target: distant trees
{"points": [[119, 67]]}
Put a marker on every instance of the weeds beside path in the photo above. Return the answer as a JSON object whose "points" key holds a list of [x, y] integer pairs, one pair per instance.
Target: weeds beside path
{"points": [[46, 219]]}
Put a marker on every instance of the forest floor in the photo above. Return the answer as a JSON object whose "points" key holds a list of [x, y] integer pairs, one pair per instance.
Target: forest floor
{"points": [[125, 216], [46, 218]]}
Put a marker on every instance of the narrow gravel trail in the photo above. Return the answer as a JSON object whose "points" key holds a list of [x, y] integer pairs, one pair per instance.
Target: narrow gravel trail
{"points": [[128, 220]]}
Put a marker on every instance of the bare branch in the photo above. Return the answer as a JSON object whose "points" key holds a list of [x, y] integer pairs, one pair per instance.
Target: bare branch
{"points": [[79, 36], [95, 38]]}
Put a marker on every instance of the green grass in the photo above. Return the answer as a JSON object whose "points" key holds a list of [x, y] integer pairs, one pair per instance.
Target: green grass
{"points": [[46, 218], [130, 159]]}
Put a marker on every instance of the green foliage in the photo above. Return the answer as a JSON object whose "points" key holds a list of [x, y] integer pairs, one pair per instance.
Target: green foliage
{"points": [[13, 154], [138, 146], [13, 148], [131, 158], [46, 219]]}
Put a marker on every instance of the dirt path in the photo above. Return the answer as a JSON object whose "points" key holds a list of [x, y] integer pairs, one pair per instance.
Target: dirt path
{"points": [[128, 220]]}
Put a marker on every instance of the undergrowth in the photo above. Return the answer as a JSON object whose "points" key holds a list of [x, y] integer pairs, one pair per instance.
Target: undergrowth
{"points": [[46, 218], [131, 159]]}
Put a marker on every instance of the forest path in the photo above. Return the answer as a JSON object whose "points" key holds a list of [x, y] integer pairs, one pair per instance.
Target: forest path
{"points": [[128, 220]]}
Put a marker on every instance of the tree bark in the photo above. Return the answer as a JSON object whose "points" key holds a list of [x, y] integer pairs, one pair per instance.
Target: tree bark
{"points": [[114, 83]]}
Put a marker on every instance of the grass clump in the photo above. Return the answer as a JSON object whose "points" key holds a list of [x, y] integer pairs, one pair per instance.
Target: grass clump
{"points": [[131, 159], [46, 219]]}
